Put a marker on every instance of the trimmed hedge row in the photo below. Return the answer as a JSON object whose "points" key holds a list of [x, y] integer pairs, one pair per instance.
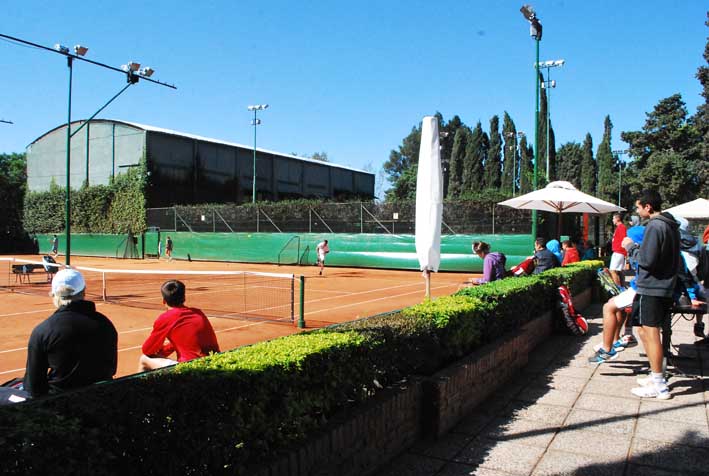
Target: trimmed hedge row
{"points": [[226, 413]]}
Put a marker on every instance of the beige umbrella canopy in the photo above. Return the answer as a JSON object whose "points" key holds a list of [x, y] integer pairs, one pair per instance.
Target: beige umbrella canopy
{"points": [[698, 208], [561, 197]]}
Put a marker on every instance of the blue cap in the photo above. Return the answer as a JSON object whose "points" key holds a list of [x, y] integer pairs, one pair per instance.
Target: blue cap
{"points": [[636, 233]]}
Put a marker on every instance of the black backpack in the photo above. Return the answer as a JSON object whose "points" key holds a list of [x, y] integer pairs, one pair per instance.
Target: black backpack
{"points": [[703, 265]]}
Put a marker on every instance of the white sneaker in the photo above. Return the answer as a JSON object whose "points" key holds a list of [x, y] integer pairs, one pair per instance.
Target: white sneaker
{"points": [[660, 392], [644, 381]]}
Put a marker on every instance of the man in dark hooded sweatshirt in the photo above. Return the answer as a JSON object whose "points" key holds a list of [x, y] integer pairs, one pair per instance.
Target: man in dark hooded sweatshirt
{"points": [[658, 259]]}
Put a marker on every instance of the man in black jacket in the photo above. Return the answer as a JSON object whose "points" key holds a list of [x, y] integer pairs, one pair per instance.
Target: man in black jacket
{"points": [[75, 346], [658, 259]]}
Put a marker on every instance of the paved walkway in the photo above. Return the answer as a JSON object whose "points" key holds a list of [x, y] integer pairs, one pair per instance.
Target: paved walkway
{"points": [[564, 416]]}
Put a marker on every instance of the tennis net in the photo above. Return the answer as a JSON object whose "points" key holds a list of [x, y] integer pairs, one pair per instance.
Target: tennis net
{"points": [[226, 294]]}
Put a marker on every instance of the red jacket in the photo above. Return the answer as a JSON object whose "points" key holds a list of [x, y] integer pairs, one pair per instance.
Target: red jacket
{"points": [[571, 255], [188, 331], [618, 235]]}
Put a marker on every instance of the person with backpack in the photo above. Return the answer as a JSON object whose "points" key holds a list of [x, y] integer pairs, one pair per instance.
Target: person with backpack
{"points": [[493, 263], [693, 273]]}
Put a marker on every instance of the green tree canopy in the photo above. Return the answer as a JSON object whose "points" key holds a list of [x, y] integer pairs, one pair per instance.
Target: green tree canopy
{"points": [[570, 165], [588, 167]]}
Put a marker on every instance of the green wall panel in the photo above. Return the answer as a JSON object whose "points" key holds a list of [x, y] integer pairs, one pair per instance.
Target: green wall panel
{"points": [[85, 244]]}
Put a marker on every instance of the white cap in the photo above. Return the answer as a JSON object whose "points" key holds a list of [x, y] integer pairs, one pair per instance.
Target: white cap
{"points": [[683, 223], [68, 282]]}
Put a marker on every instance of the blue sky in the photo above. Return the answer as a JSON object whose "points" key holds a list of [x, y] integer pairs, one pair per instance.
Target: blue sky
{"points": [[350, 79]]}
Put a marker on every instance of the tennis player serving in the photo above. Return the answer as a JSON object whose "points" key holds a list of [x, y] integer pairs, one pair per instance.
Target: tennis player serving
{"points": [[322, 249]]}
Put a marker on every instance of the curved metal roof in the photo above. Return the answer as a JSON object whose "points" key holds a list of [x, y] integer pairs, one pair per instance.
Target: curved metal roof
{"points": [[161, 130]]}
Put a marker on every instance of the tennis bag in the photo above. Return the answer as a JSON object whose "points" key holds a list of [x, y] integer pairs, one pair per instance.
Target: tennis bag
{"points": [[574, 322]]}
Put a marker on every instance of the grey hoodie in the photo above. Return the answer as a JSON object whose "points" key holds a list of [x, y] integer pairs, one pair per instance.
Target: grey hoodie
{"points": [[658, 257]]}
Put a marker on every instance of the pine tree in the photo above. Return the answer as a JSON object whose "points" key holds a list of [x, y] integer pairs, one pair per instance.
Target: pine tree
{"points": [[604, 159], [510, 156], [455, 174], [493, 163], [447, 135], [588, 167]]}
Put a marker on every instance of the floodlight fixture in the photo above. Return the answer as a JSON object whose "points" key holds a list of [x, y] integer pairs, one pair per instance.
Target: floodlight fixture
{"points": [[528, 12], [147, 71], [257, 107], [61, 48], [133, 66], [80, 50]]}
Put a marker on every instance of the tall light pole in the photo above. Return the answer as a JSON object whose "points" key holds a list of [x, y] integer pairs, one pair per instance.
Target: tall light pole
{"points": [[620, 154], [514, 159], [255, 122], [79, 51], [548, 84], [535, 31]]}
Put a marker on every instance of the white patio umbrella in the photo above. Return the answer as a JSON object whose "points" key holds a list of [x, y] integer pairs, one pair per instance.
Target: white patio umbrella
{"points": [[698, 208], [429, 201], [561, 197]]}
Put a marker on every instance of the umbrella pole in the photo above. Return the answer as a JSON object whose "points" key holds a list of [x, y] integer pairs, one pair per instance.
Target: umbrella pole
{"points": [[558, 227], [427, 279]]}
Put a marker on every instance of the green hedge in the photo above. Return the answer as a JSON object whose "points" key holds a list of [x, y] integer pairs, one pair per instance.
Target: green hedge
{"points": [[230, 412]]}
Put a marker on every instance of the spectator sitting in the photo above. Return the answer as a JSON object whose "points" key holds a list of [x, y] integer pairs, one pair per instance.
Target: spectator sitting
{"points": [[493, 263], [187, 330], [555, 247], [589, 251], [571, 254], [543, 258], [77, 344]]}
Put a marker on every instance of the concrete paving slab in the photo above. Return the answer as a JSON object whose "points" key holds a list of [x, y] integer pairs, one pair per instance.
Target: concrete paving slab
{"points": [[561, 463], [524, 432], [551, 414], [599, 445], [690, 434], [500, 455], [673, 456]]}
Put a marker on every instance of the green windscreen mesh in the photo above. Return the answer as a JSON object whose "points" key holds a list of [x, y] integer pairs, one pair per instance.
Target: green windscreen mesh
{"points": [[353, 250]]}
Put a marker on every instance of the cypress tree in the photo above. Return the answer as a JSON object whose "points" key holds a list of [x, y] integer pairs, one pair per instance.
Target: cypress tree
{"points": [[493, 163], [510, 156], [588, 167], [473, 163], [455, 174], [570, 163], [604, 158], [526, 166]]}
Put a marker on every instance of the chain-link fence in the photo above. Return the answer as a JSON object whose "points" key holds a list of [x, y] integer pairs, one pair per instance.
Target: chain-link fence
{"points": [[461, 217]]}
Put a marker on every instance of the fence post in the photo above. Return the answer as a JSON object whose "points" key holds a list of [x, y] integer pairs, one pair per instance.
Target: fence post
{"points": [[258, 216], [361, 218], [174, 215], [310, 220], [301, 313]]}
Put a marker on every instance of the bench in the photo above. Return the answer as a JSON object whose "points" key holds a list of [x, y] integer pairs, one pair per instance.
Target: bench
{"points": [[22, 272]]}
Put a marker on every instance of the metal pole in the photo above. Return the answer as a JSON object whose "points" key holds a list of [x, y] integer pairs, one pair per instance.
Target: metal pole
{"points": [[620, 178], [113, 151], [67, 207], [87, 154], [548, 90], [514, 167], [301, 313], [253, 187], [536, 136]]}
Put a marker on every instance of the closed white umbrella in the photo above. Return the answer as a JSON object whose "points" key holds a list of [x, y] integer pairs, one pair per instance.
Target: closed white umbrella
{"points": [[429, 201], [561, 197], [698, 208]]}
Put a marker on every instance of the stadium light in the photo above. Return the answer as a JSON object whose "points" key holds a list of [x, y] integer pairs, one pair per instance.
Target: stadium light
{"points": [[255, 122], [548, 85], [535, 31], [80, 50]]}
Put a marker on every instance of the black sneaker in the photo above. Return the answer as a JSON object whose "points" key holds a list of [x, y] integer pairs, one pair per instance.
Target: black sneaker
{"points": [[699, 329]]}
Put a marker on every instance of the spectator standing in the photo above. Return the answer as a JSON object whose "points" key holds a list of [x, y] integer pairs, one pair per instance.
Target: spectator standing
{"points": [[75, 346], [658, 260], [493, 263], [181, 329], [617, 265]]}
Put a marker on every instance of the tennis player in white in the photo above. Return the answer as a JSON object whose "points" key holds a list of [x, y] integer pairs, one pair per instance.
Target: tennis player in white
{"points": [[322, 249]]}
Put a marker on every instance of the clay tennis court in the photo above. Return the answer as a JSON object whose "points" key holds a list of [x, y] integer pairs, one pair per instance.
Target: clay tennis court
{"points": [[340, 295]]}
